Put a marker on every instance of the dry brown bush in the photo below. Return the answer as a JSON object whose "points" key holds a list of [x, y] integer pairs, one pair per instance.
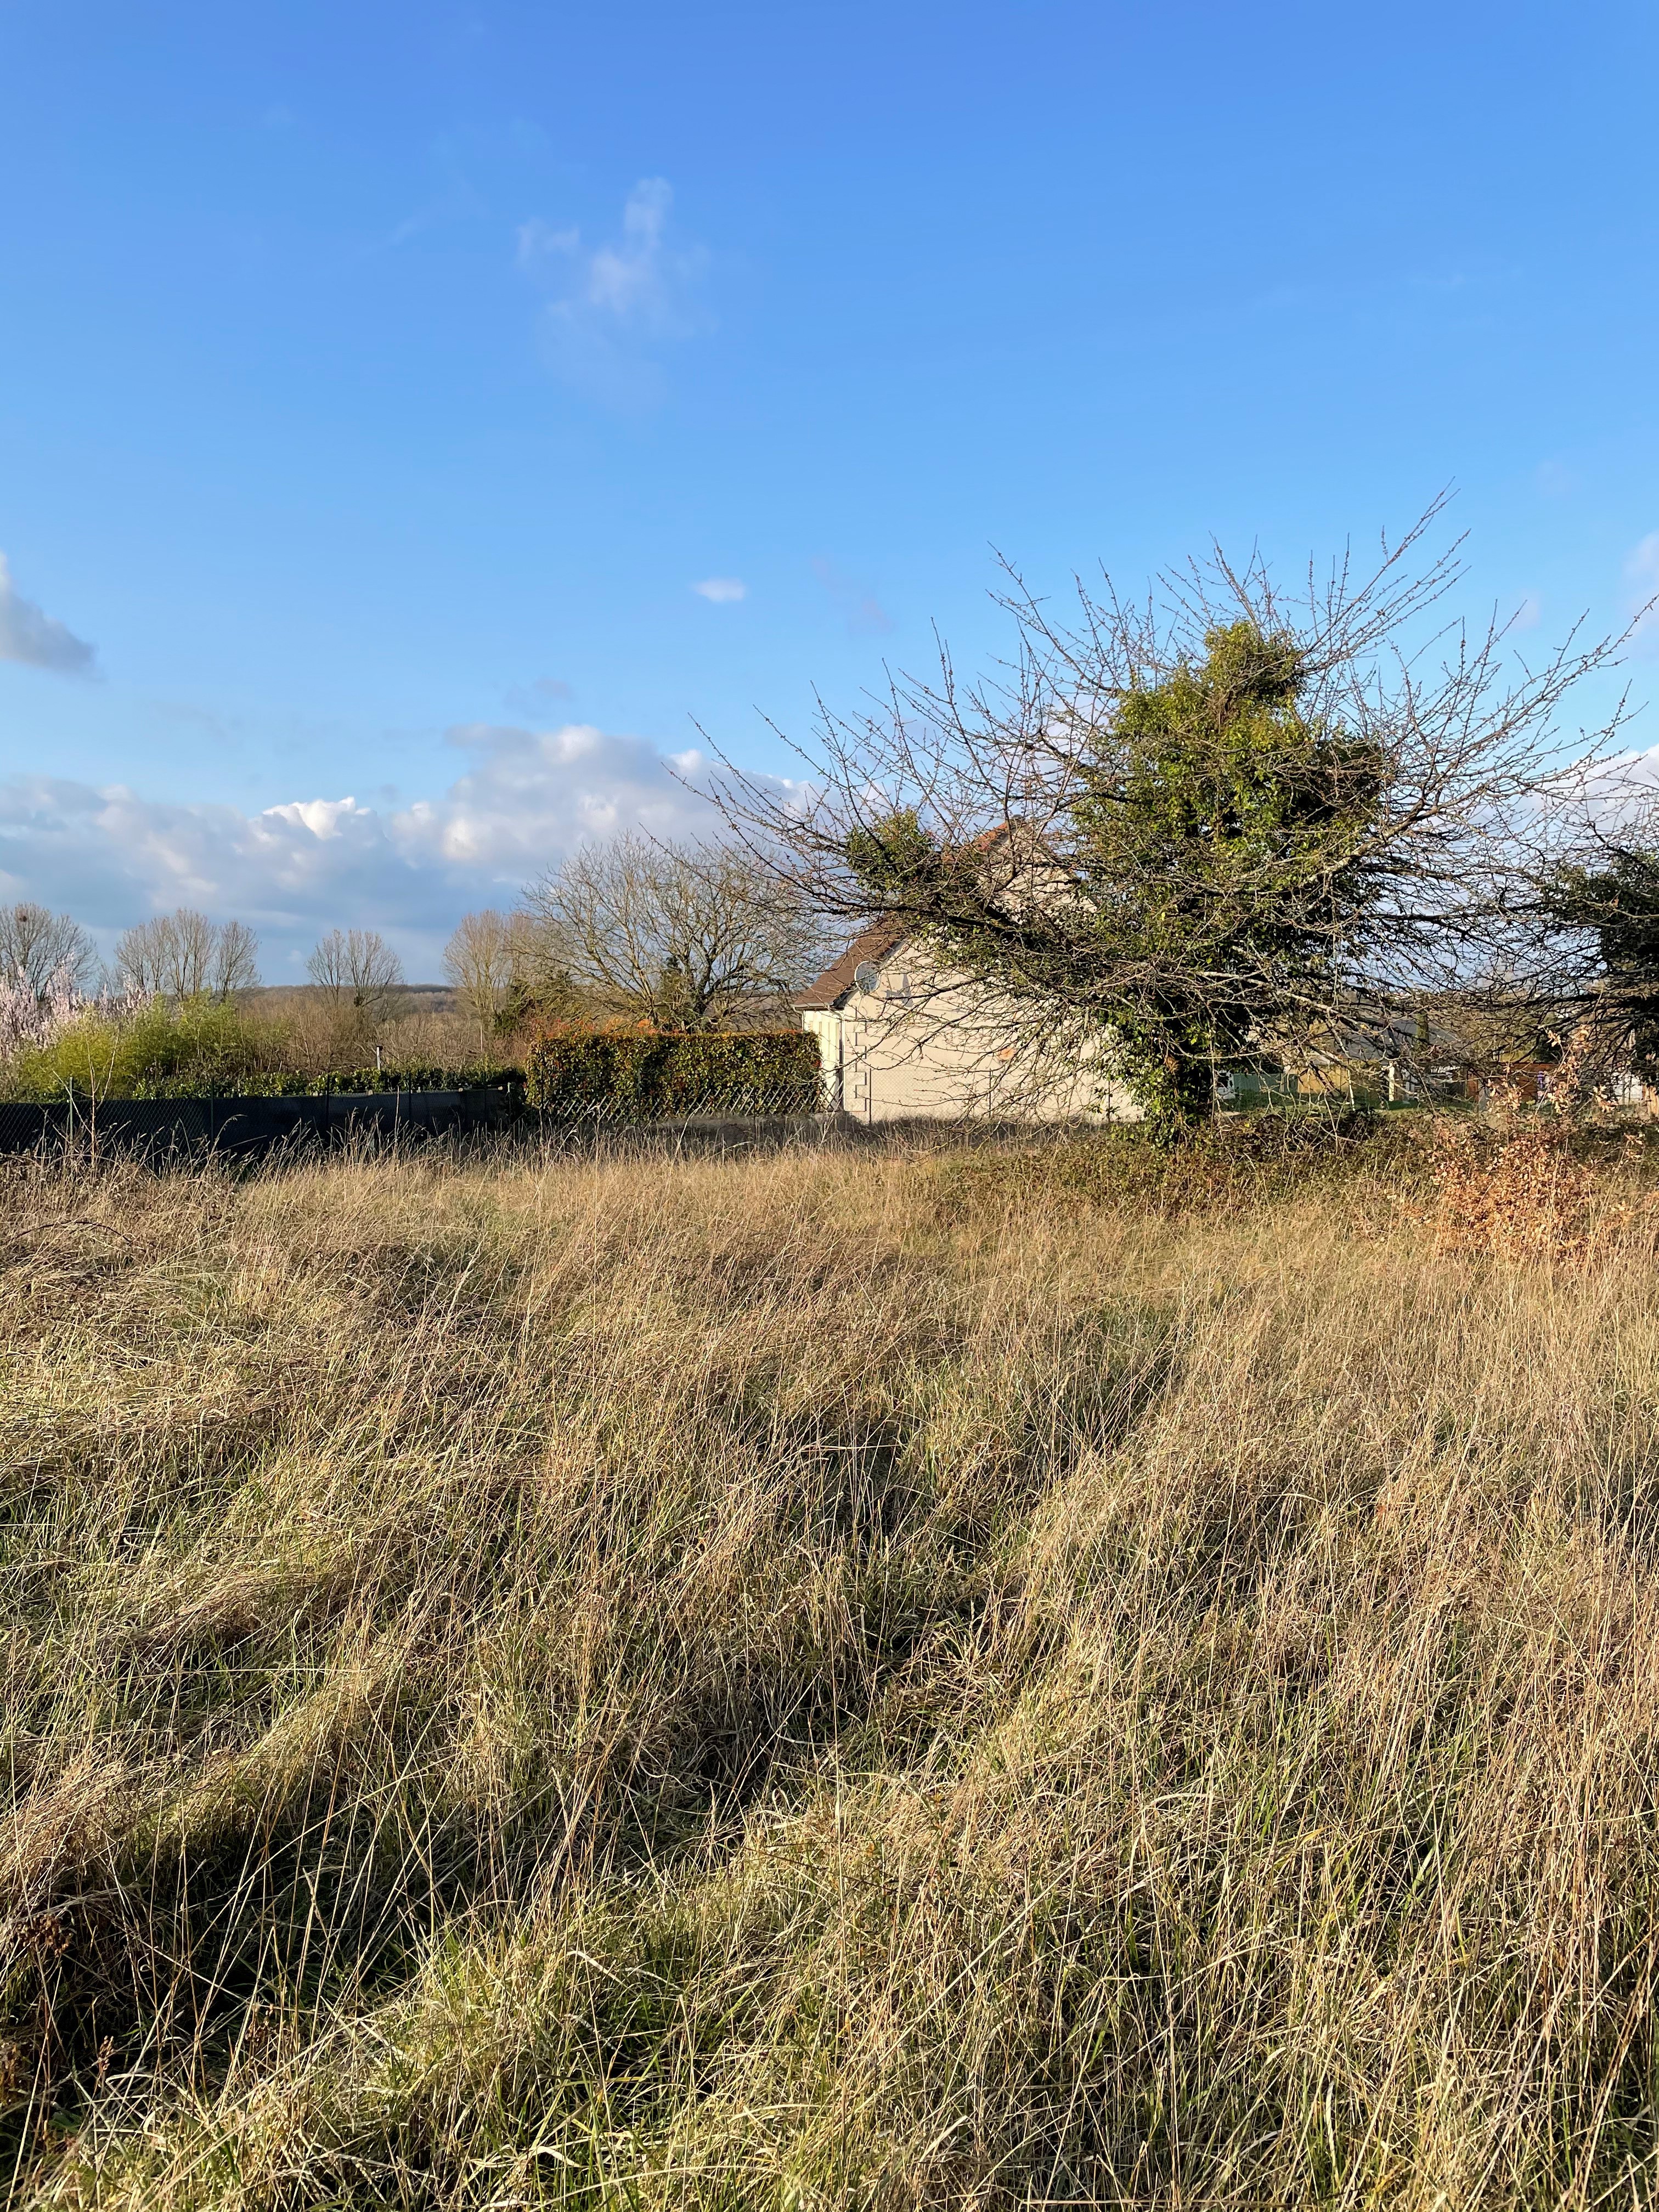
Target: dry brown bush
{"points": [[723, 1683], [1526, 1180]]}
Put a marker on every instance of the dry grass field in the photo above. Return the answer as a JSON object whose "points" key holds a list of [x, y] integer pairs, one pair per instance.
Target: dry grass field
{"points": [[869, 1677]]}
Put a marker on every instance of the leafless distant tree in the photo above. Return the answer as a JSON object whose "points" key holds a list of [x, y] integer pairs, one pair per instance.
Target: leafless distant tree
{"points": [[677, 936], [44, 951], [360, 975], [183, 954], [237, 968], [485, 961], [1122, 844]]}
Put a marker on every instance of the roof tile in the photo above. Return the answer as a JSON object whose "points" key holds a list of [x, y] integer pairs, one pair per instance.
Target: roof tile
{"points": [[837, 983]]}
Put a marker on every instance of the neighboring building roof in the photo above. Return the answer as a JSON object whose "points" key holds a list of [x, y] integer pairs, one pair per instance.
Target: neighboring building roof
{"points": [[836, 984]]}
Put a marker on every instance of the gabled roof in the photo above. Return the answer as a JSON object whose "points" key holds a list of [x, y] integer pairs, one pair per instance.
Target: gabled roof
{"points": [[836, 984]]}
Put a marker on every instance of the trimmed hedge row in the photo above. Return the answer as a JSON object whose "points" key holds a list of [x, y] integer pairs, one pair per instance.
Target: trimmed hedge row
{"points": [[348, 1082], [642, 1077]]}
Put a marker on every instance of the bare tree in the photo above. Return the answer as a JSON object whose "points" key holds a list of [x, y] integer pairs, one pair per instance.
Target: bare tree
{"points": [[236, 965], [44, 952], [679, 937], [183, 954], [1230, 820], [167, 954], [361, 976], [485, 961]]}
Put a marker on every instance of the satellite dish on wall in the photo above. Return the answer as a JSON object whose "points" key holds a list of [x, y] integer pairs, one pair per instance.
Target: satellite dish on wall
{"points": [[866, 975]]}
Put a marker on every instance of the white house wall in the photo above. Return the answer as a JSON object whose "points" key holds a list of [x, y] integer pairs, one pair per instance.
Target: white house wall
{"points": [[917, 1049], [826, 1027]]}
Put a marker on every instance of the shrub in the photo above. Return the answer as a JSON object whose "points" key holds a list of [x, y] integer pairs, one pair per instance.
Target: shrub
{"points": [[202, 1048], [1526, 1181], [641, 1078], [1215, 1169], [339, 1082], [159, 1048], [475, 1075]]}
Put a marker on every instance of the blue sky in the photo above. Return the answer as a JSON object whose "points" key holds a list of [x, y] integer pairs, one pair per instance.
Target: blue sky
{"points": [[377, 383]]}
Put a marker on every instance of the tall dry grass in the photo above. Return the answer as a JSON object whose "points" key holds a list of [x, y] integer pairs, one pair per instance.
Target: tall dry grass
{"points": [[824, 1679]]}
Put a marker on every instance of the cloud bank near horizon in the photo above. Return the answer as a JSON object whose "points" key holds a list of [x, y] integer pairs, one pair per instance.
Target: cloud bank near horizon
{"points": [[111, 856]]}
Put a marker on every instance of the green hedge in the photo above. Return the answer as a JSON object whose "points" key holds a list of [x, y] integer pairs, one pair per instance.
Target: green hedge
{"points": [[645, 1078], [570, 1078], [350, 1082]]}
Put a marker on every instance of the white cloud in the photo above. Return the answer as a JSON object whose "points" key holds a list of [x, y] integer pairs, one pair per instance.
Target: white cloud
{"points": [[639, 281], [864, 615], [525, 799], [29, 635], [324, 817], [537, 697], [1642, 585], [722, 590], [539, 242], [618, 302]]}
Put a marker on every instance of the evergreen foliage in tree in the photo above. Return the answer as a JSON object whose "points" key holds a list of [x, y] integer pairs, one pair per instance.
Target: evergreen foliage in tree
{"points": [[1618, 904], [1227, 823]]}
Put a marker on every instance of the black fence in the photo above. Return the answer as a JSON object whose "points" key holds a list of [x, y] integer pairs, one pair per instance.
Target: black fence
{"points": [[254, 1125], [154, 1128]]}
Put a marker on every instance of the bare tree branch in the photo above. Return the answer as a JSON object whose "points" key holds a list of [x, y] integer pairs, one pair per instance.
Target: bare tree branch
{"points": [[360, 976], [44, 952], [997, 818], [677, 936], [183, 954]]}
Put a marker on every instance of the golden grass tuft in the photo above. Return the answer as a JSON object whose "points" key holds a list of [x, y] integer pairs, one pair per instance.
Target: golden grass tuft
{"points": [[874, 1678]]}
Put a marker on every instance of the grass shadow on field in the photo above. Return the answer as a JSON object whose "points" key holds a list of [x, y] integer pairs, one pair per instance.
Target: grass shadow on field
{"points": [[540, 1596]]}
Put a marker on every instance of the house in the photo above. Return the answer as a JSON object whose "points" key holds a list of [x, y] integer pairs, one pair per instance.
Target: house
{"points": [[1390, 1059], [900, 1039], [1404, 1060]]}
